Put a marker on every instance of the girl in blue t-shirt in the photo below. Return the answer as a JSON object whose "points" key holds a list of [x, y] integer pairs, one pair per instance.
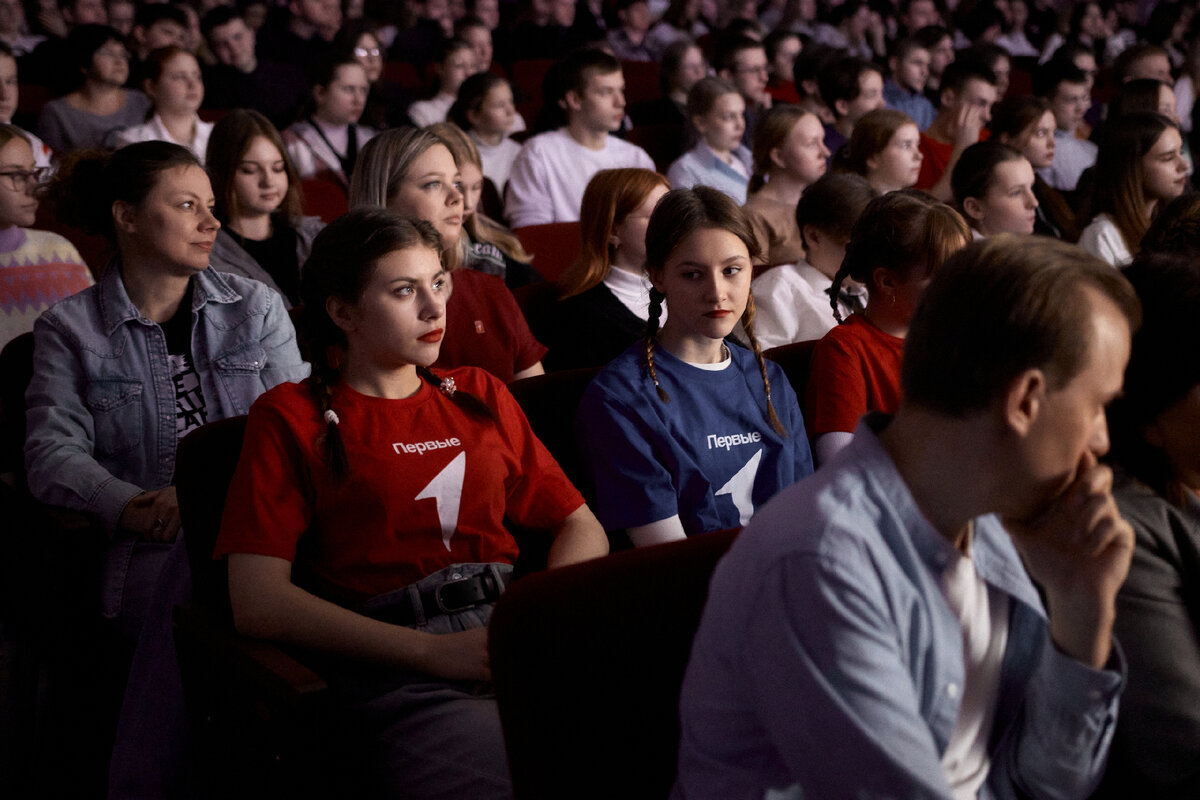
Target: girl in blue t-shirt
{"points": [[686, 433]]}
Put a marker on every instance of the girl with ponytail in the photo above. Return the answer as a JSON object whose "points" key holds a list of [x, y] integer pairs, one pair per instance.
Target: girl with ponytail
{"points": [[789, 154], [687, 432], [368, 513], [899, 241]]}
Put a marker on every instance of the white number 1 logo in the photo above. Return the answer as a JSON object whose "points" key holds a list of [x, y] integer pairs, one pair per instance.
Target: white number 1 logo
{"points": [[741, 485], [446, 490]]}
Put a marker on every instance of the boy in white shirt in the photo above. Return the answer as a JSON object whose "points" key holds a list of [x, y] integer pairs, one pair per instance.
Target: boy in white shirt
{"points": [[792, 301], [552, 170]]}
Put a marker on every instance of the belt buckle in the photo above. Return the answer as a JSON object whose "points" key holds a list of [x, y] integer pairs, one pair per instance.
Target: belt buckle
{"points": [[441, 604]]}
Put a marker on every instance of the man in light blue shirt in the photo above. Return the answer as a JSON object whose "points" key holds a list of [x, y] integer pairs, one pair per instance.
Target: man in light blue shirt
{"points": [[873, 632]]}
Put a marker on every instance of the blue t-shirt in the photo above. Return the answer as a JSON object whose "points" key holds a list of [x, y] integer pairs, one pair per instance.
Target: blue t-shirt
{"points": [[709, 454]]}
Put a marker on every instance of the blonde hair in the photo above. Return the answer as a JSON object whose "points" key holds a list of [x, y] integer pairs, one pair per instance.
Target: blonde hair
{"points": [[478, 225], [382, 165]]}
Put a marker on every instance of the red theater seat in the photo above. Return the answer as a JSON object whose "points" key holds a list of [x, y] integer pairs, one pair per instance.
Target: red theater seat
{"points": [[588, 661], [554, 246]]}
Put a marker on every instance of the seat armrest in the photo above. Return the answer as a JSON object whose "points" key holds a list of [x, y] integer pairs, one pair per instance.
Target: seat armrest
{"points": [[279, 676]]}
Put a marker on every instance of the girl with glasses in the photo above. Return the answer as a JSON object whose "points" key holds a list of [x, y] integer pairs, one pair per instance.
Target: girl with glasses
{"points": [[37, 268]]}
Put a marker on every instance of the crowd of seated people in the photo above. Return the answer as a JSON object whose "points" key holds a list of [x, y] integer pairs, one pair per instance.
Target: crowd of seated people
{"points": [[375, 188]]}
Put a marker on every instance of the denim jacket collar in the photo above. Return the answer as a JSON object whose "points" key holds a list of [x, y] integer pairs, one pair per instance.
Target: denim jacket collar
{"points": [[116, 308]]}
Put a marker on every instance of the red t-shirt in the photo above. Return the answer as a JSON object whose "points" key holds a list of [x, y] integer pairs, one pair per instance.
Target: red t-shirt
{"points": [[430, 485], [936, 159], [855, 369], [485, 328]]}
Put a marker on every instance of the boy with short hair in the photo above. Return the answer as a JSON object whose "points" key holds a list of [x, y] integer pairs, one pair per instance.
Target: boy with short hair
{"points": [[552, 169], [1066, 87], [967, 95], [905, 90], [793, 302], [743, 62], [850, 87]]}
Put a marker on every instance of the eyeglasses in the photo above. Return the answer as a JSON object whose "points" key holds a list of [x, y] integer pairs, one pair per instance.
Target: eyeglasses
{"points": [[20, 179], [363, 52], [762, 69]]}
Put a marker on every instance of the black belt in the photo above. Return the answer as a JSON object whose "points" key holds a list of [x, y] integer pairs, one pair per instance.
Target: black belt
{"points": [[445, 598]]}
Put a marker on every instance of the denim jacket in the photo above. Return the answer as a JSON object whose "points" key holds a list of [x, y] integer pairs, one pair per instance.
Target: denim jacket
{"points": [[101, 404]]}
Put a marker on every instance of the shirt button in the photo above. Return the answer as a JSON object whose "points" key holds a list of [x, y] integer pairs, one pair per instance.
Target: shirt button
{"points": [[952, 690]]}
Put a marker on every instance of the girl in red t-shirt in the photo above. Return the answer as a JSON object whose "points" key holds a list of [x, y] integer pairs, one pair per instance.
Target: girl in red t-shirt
{"points": [[367, 515], [895, 246]]}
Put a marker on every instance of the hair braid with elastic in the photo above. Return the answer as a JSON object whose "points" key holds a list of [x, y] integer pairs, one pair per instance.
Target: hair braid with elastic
{"points": [[656, 301], [324, 376], [748, 327], [464, 400]]}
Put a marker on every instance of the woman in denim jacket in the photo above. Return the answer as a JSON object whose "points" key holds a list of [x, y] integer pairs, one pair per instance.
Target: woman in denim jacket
{"points": [[158, 347]]}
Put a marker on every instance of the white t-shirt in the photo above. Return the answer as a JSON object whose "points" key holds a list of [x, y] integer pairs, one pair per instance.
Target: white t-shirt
{"points": [[983, 613], [1102, 239], [551, 171], [791, 303], [155, 130], [497, 159], [427, 112]]}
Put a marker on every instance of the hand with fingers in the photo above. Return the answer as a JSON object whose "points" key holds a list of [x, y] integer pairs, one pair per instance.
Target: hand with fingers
{"points": [[459, 656], [1078, 551], [152, 516], [967, 126]]}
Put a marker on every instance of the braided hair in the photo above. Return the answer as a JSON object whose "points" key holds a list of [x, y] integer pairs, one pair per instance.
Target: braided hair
{"points": [[343, 258], [680, 213], [904, 231]]}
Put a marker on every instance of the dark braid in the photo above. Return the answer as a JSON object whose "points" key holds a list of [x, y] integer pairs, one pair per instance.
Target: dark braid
{"points": [[656, 301], [319, 333], [748, 327], [835, 291], [464, 400]]}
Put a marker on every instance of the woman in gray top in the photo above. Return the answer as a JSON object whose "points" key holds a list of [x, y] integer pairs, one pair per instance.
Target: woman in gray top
{"points": [[263, 234], [84, 117], [1156, 441]]}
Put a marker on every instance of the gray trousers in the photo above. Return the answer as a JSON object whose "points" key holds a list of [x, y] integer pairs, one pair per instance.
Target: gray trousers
{"points": [[426, 738]]}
